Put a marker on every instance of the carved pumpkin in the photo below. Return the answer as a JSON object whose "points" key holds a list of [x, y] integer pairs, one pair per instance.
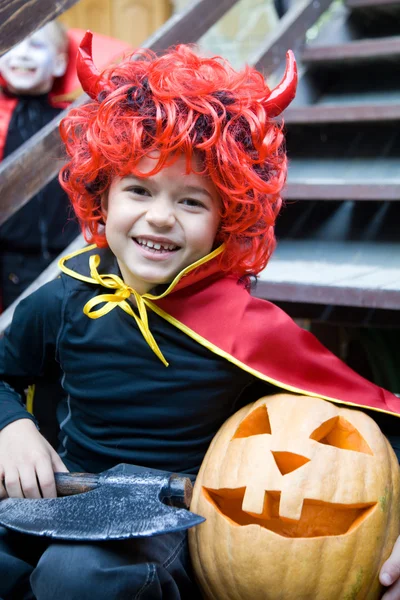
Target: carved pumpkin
{"points": [[302, 502]]}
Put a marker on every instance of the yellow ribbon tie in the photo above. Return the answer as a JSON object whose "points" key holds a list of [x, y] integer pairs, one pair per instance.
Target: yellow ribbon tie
{"points": [[119, 298]]}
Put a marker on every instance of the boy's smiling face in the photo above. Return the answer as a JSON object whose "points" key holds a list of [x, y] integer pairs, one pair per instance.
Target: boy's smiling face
{"points": [[31, 66], [158, 225]]}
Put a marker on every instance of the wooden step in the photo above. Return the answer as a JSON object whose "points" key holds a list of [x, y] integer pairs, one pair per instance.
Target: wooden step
{"points": [[371, 3], [317, 174], [341, 113], [357, 51], [363, 274], [317, 189]]}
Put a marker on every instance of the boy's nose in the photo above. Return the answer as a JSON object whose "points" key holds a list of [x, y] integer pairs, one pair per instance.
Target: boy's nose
{"points": [[22, 50], [161, 214]]}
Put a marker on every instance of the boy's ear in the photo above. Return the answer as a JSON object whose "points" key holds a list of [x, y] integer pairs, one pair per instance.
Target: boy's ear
{"points": [[60, 64]]}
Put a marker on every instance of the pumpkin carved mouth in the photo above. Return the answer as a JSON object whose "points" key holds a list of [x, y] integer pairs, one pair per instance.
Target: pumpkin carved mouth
{"points": [[318, 518]]}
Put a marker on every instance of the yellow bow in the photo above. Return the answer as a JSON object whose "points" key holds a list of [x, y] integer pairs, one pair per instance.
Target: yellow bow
{"points": [[119, 298]]}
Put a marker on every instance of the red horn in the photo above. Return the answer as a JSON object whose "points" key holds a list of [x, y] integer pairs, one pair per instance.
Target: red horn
{"points": [[283, 94], [88, 74]]}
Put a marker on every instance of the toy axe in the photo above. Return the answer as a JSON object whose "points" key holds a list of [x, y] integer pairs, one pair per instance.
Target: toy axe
{"points": [[124, 502]]}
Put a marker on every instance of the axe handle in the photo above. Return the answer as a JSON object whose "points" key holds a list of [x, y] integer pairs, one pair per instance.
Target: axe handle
{"points": [[68, 484], [178, 491]]}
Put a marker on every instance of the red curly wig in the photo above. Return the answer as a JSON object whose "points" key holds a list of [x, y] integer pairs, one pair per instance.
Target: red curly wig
{"points": [[182, 103]]}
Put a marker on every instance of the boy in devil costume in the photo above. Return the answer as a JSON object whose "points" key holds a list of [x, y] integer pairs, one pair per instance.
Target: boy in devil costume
{"points": [[175, 174], [35, 235]]}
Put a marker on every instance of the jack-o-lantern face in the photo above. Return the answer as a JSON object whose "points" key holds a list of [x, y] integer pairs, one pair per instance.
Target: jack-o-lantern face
{"points": [[299, 468], [285, 508]]}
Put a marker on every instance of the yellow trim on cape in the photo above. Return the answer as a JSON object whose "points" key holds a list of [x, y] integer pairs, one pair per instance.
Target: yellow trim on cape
{"points": [[171, 286], [210, 346], [122, 292], [119, 299]]}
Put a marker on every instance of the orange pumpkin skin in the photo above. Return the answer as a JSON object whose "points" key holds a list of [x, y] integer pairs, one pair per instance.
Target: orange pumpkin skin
{"points": [[302, 502]]}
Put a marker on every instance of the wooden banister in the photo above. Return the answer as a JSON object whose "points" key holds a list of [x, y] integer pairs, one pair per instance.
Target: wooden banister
{"points": [[289, 34], [19, 18], [47, 275]]}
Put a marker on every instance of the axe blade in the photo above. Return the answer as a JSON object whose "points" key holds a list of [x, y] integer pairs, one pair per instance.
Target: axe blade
{"points": [[127, 503]]}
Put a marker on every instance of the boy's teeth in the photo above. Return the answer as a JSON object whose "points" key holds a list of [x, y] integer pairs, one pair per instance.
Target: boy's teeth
{"points": [[156, 245], [23, 69]]}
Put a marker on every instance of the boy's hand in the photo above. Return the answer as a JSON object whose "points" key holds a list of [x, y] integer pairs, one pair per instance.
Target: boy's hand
{"points": [[390, 574], [27, 462]]}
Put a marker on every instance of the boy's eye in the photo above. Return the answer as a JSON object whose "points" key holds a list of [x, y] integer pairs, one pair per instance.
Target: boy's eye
{"points": [[138, 190], [36, 44], [192, 202]]}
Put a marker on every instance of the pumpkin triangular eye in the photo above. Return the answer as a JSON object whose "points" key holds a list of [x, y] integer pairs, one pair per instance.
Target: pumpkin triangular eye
{"points": [[256, 423], [340, 433]]}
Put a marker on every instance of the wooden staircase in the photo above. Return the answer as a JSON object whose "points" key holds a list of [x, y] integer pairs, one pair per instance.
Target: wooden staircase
{"points": [[339, 234], [338, 256], [28, 169]]}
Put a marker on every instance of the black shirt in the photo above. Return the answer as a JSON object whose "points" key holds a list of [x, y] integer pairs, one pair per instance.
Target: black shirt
{"points": [[123, 404], [46, 224]]}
